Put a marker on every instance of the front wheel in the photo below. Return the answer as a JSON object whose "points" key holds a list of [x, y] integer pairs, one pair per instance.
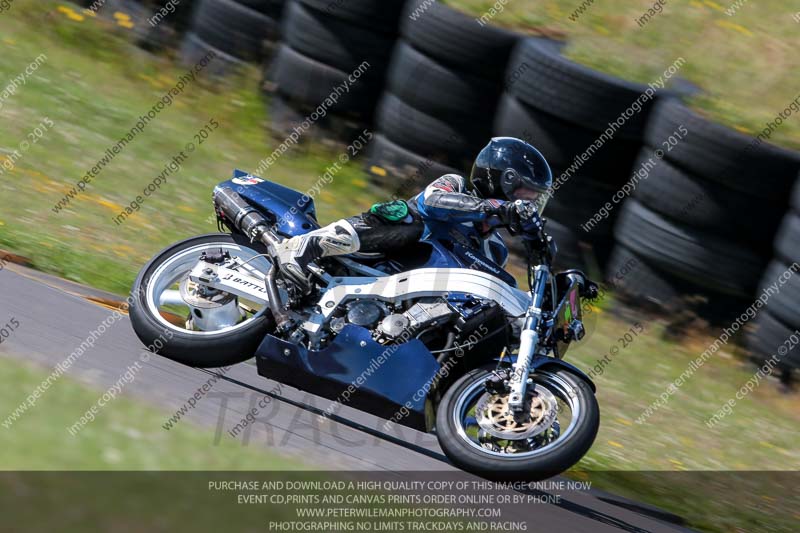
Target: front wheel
{"points": [[478, 432], [193, 324]]}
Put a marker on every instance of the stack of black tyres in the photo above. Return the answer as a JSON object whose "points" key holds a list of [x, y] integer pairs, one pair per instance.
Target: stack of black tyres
{"points": [[703, 221], [168, 26], [776, 328], [155, 30], [328, 46], [443, 85], [238, 31], [562, 108]]}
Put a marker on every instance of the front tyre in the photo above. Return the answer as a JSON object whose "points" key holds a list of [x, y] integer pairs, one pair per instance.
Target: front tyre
{"points": [[477, 432], [169, 317]]}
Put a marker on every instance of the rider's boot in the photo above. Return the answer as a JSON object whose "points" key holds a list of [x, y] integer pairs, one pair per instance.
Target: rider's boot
{"points": [[294, 255]]}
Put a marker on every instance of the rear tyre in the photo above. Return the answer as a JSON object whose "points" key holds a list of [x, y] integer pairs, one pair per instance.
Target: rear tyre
{"points": [[156, 327]]}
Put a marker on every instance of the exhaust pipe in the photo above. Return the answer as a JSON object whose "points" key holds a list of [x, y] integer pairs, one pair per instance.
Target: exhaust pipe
{"points": [[252, 223], [244, 217]]}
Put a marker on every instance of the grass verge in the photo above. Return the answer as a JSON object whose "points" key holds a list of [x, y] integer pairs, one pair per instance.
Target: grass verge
{"points": [[93, 97], [127, 436]]}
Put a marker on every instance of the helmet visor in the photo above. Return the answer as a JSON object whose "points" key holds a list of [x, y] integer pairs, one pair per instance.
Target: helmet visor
{"points": [[539, 198]]}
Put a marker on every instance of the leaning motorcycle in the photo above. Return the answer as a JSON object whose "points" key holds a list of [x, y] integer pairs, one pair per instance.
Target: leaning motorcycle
{"points": [[436, 337]]}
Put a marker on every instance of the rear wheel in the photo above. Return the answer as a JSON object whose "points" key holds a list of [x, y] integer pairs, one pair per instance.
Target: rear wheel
{"points": [[192, 324], [477, 432]]}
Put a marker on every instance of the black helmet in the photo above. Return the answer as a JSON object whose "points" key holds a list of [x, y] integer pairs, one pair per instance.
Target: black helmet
{"points": [[511, 169]]}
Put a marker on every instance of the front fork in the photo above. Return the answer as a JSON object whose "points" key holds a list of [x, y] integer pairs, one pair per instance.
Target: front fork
{"points": [[529, 339]]}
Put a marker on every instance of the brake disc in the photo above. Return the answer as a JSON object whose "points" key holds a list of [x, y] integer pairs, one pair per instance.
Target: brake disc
{"points": [[494, 415]]}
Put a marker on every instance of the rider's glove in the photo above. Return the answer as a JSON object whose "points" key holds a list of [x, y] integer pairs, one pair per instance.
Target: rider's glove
{"points": [[518, 216]]}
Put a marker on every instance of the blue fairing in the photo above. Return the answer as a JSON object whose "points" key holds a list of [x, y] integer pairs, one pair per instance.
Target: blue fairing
{"points": [[456, 255], [356, 370], [294, 211]]}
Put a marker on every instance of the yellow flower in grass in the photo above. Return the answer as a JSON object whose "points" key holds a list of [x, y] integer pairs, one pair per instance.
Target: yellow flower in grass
{"points": [[122, 250], [70, 13], [119, 15], [152, 81], [733, 26], [678, 465], [555, 11], [125, 23], [40, 187], [377, 170], [110, 205]]}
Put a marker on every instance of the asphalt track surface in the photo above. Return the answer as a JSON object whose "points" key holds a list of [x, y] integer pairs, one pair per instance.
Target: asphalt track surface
{"points": [[56, 316]]}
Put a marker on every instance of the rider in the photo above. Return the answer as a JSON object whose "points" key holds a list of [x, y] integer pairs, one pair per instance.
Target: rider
{"points": [[509, 182]]}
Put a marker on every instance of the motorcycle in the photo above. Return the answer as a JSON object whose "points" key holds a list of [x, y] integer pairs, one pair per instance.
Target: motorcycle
{"points": [[437, 337]]}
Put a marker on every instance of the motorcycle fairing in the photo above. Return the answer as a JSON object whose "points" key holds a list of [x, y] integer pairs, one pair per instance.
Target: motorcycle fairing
{"points": [[465, 247], [424, 282], [470, 258], [294, 212], [385, 378]]}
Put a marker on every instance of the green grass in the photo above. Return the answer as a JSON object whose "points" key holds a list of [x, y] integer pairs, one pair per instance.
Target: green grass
{"points": [[759, 435], [93, 97], [126, 435], [746, 64], [669, 461]]}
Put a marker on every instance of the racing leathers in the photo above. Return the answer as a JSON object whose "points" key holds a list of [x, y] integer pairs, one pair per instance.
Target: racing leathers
{"points": [[396, 224]]}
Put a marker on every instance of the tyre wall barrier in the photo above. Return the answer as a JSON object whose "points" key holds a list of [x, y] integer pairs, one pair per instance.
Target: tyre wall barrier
{"points": [[442, 90], [240, 31], [779, 320]]}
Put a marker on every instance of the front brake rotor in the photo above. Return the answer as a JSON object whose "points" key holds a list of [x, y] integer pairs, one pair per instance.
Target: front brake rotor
{"points": [[494, 415]]}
